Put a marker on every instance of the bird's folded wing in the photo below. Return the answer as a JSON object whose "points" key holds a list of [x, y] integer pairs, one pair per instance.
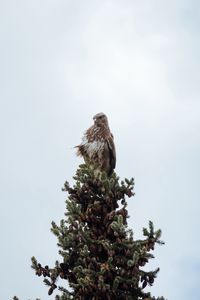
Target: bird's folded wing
{"points": [[112, 152]]}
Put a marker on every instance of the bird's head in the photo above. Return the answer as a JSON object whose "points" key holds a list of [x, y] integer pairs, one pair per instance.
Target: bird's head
{"points": [[100, 119]]}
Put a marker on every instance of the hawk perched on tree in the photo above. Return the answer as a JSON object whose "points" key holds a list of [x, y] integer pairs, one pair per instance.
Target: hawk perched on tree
{"points": [[97, 147]]}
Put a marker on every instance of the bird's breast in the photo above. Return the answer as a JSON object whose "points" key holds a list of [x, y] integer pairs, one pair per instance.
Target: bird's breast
{"points": [[94, 147]]}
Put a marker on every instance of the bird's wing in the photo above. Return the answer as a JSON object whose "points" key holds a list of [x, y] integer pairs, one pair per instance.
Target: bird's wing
{"points": [[112, 153]]}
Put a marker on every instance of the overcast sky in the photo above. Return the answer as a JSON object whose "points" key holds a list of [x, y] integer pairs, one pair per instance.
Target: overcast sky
{"points": [[63, 61]]}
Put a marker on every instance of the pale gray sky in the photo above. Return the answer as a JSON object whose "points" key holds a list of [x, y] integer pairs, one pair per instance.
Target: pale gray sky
{"points": [[61, 62]]}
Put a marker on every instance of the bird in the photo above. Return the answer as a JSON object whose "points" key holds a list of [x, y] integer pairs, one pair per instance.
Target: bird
{"points": [[97, 147]]}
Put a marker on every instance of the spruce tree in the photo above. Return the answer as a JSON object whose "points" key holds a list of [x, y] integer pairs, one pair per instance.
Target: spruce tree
{"points": [[100, 259]]}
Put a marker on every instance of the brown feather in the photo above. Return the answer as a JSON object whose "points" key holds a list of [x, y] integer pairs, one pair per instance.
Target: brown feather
{"points": [[97, 147]]}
